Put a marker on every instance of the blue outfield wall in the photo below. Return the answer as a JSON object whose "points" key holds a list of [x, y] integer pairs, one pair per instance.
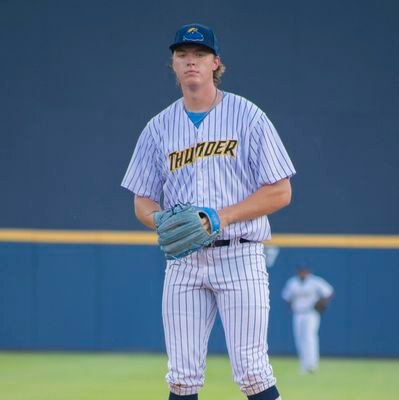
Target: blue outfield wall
{"points": [[79, 85], [108, 297]]}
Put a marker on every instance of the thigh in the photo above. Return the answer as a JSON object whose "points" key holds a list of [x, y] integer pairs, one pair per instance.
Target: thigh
{"points": [[313, 323], [188, 310], [297, 324], [243, 303], [243, 298]]}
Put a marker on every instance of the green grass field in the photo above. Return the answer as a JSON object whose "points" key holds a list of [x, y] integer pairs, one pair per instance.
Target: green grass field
{"points": [[66, 376]]}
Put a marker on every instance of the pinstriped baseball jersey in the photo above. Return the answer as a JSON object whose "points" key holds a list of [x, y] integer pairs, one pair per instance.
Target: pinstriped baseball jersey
{"points": [[303, 294], [234, 152]]}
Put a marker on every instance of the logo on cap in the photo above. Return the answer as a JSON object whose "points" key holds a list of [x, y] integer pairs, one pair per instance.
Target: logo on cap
{"points": [[192, 35]]}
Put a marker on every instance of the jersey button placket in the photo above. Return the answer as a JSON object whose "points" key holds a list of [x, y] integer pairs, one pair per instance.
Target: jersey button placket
{"points": [[199, 168], [200, 180]]}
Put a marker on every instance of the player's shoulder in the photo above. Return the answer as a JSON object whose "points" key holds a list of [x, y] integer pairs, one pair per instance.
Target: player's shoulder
{"points": [[159, 122], [172, 109], [237, 100], [318, 279], [166, 114], [292, 281], [251, 112]]}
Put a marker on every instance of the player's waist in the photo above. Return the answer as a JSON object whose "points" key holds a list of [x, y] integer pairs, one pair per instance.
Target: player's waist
{"points": [[308, 309], [254, 231]]}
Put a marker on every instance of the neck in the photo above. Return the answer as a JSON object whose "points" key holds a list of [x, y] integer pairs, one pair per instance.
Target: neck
{"points": [[200, 99]]}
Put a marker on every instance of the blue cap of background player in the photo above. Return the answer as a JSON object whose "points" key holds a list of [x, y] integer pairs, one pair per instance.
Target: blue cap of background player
{"points": [[196, 34]]}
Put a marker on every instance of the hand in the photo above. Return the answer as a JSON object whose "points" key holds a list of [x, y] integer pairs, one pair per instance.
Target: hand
{"points": [[321, 305], [206, 224], [184, 229]]}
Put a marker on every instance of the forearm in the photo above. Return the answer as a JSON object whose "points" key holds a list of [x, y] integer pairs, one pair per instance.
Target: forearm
{"points": [[265, 201], [144, 209]]}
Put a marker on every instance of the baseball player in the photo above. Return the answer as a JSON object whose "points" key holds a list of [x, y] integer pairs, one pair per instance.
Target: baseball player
{"points": [[307, 295], [219, 152]]}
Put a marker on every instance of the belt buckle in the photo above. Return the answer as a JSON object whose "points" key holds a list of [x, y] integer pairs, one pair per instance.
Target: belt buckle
{"points": [[211, 245]]}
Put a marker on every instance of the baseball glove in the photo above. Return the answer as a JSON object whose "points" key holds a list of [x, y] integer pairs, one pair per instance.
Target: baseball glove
{"points": [[320, 305], [181, 232]]}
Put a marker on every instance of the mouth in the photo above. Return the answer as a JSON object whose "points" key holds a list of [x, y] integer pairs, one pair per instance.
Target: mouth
{"points": [[191, 72]]}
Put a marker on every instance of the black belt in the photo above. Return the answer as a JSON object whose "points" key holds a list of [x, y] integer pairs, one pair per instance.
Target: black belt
{"points": [[220, 243]]}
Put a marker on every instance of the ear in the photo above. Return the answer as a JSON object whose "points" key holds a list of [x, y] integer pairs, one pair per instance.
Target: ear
{"points": [[172, 62], [216, 62]]}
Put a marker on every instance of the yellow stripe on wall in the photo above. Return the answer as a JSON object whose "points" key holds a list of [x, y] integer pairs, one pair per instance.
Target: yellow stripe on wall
{"points": [[76, 237], [337, 241], [150, 238]]}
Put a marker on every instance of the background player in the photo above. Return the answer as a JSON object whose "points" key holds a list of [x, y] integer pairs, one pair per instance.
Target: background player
{"points": [[307, 295], [218, 150]]}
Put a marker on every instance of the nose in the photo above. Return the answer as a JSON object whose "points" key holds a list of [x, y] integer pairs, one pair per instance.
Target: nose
{"points": [[190, 60]]}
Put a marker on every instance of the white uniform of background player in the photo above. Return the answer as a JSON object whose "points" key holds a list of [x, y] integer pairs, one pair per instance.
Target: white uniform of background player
{"points": [[302, 292], [213, 149]]}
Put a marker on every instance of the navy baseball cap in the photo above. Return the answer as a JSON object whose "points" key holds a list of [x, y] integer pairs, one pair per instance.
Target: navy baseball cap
{"points": [[196, 34]]}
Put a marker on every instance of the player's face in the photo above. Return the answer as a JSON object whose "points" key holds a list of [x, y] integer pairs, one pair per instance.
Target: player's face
{"points": [[303, 273], [194, 65]]}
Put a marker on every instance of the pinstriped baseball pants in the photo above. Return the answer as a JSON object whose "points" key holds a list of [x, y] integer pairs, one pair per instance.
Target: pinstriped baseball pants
{"points": [[233, 281]]}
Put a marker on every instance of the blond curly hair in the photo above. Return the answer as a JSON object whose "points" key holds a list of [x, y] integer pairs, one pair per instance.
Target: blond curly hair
{"points": [[217, 75]]}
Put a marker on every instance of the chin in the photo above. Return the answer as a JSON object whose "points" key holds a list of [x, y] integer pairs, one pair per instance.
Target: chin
{"points": [[192, 79], [191, 82]]}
